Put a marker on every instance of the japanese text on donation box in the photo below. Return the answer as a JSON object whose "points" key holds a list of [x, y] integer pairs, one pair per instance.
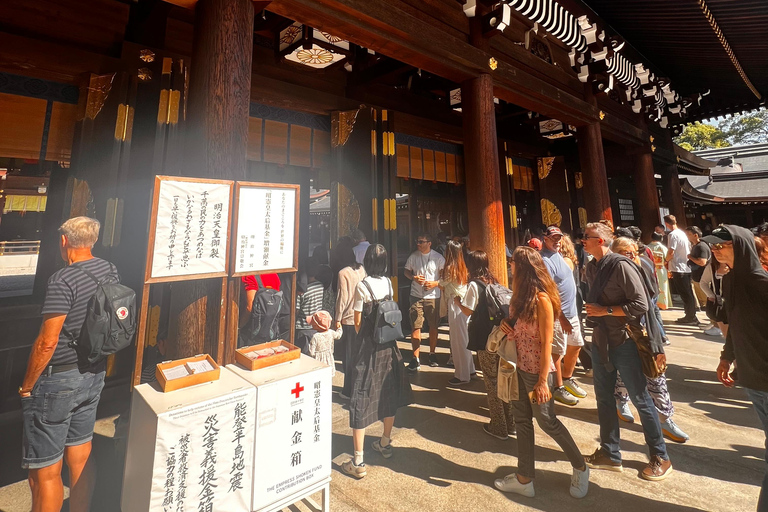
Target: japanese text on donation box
{"points": [[191, 232], [265, 229], [293, 436], [204, 456]]}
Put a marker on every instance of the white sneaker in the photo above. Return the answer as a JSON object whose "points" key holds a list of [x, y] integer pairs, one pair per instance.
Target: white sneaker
{"points": [[510, 483], [713, 331], [624, 412], [579, 483]]}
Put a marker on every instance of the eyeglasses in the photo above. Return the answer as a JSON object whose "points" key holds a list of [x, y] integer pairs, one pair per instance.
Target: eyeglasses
{"points": [[720, 247], [588, 237], [419, 242], [629, 254]]}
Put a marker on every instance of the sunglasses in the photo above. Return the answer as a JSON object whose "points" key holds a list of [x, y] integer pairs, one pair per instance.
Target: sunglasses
{"points": [[629, 254], [588, 237], [720, 247], [419, 242]]}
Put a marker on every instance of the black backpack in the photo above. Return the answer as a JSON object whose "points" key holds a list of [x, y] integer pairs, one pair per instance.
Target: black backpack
{"points": [[268, 308], [110, 321], [492, 308], [383, 321]]}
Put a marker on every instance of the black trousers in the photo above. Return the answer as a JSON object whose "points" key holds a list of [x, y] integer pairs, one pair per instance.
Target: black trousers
{"points": [[682, 283]]}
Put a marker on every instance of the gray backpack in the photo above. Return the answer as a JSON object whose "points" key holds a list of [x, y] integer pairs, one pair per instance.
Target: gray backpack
{"points": [[383, 320]]}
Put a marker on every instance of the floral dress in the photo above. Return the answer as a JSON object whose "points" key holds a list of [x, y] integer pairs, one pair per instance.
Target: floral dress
{"points": [[659, 256]]}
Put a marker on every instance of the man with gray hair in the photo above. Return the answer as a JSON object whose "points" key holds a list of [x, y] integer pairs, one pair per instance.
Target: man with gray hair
{"points": [[361, 245], [617, 297], [59, 395]]}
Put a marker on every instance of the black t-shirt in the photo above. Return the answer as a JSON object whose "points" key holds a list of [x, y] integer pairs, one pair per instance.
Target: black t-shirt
{"points": [[700, 250], [68, 293]]}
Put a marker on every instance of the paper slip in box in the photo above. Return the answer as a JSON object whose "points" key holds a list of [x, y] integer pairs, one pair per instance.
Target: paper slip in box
{"points": [[293, 428], [173, 375], [241, 355], [192, 449]]}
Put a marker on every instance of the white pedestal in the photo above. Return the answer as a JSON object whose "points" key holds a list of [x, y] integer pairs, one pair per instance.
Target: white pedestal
{"points": [[191, 449], [293, 431]]}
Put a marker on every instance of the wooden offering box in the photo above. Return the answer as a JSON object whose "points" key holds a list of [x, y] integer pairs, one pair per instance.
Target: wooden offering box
{"points": [[189, 380], [255, 364]]}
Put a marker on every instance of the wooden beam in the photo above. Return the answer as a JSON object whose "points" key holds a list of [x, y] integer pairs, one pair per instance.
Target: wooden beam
{"points": [[384, 27], [647, 196]]}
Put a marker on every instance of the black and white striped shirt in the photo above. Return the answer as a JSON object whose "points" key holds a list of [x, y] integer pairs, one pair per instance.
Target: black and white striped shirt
{"points": [[68, 292]]}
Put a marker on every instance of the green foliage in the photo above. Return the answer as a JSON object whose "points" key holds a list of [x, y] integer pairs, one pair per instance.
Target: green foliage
{"points": [[747, 128]]}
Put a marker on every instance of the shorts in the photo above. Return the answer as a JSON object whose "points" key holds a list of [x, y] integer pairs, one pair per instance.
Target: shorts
{"points": [[560, 340], [60, 412], [424, 309]]}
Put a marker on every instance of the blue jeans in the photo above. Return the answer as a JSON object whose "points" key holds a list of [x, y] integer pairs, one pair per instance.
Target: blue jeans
{"points": [[626, 360], [760, 401], [657, 312]]}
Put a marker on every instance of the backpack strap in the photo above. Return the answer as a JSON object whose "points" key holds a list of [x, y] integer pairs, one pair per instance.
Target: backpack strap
{"points": [[259, 282], [86, 272], [370, 290]]}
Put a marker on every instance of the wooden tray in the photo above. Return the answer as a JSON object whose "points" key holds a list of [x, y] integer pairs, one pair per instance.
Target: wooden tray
{"points": [[190, 380], [254, 364]]}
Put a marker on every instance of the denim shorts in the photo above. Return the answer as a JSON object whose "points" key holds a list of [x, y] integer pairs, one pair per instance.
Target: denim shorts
{"points": [[60, 412]]}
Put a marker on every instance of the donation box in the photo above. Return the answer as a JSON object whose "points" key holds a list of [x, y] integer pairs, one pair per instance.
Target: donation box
{"points": [[191, 449], [293, 428]]}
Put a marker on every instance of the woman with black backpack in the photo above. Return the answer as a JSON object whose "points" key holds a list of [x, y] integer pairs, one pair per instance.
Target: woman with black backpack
{"points": [[474, 304], [380, 385]]}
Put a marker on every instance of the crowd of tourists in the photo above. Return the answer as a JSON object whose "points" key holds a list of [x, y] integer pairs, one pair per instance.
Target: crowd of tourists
{"points": [[528, 339]]}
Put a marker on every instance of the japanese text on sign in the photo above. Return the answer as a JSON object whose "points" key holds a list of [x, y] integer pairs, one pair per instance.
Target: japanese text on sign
{"points": [[265, 229]]}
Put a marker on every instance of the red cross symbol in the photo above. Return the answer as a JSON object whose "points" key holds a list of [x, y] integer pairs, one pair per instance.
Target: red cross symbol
{"points": [[297, 391]]}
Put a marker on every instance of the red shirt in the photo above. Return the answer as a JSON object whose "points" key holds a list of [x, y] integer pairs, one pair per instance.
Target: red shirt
{"points": [[269, 280]]}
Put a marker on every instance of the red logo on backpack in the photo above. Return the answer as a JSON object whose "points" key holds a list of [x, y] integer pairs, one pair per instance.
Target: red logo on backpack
{"points": [[122, 313]]}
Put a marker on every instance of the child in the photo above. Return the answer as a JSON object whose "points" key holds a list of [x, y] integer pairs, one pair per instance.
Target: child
{"points": [[321, 344]]}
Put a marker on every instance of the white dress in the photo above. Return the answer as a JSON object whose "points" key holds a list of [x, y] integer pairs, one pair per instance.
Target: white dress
{"points": [[321, 347]]}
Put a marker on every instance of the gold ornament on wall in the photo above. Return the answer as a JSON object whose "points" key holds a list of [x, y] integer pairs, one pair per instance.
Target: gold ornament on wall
{"points": [[545, 166], [493, 64], [342, 123], [582, 218], [579, 178], [550, 215]]}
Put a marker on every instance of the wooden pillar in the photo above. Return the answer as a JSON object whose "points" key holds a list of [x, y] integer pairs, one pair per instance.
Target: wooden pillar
{"points": [[672, 194], [592, 159], [217, 138], [481, 161], [647, 196]]}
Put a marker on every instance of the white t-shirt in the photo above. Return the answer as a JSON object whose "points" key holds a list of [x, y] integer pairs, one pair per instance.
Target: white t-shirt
{"points": [[681, 247], [428, 265], [381, 287], [473, 295]]}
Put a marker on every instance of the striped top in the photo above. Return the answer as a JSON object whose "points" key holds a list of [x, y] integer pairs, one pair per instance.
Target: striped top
{"points": [[308, 304], [68, 293]]}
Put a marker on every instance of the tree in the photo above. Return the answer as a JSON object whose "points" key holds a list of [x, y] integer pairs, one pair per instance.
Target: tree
{"points": [[747, 128], [702, 136]]}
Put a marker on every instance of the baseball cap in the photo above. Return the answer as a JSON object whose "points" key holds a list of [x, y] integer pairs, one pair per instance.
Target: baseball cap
{"points": [[552, 231], [718, 236]]}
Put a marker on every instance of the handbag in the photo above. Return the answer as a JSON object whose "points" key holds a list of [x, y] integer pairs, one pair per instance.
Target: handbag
{"points": [[495, 339], [507, 386], [716, 310], [640, 336]]}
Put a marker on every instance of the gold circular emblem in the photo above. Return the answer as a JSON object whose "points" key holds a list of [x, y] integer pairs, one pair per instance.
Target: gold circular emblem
{"points": [[314, 56]]}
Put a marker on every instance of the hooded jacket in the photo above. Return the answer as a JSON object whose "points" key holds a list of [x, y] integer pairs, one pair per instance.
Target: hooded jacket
{"points": [[745, 290]]}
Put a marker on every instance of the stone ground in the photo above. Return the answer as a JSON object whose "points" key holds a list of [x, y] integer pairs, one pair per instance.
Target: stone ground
{"points": [[444, 461]]}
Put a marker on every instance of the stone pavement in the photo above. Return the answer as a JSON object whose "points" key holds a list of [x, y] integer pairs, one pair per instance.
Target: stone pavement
{"points": [[444, 461]]}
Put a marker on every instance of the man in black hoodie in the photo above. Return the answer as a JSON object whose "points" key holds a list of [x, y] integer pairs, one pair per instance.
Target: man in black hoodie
{"points": [[745, 290]]}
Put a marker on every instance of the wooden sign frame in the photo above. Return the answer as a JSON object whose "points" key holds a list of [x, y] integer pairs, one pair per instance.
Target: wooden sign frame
{"points": [[153, 227], [249, 184]]}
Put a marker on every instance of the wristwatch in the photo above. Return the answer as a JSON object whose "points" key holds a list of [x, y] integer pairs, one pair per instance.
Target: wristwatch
{"points": [[609, 309]]}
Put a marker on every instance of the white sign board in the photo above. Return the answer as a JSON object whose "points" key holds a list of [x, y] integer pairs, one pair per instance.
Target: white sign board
{"points": [[266, 229], [191, 228], [191, 450], [293, 428]]}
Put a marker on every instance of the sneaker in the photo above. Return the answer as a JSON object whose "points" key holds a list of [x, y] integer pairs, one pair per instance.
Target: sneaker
{"points": [[579, 483], [713, 331], [657, 469], [624, 412], [385, 451], [454, 382], [351, 469], [573, 388], [510, 483], [450, 364], [433, 361], [473, 376], [487, 430], [672, 431], [665, 341], [599, 460], [414, 365], [687, 321], [563, 396]]}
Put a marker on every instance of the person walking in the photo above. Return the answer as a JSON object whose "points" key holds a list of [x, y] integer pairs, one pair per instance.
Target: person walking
{"points": [[745, 290], [423, 268], [380, 384], [712, 286], [350, 274], [567, 338], [532, 313], [454, 285], [677, 263], [659, 252], [59, 395], [618, 297], [697, 260], [502, 424]]}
